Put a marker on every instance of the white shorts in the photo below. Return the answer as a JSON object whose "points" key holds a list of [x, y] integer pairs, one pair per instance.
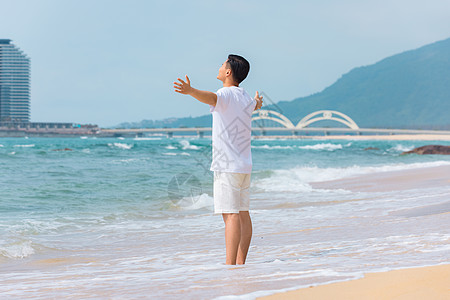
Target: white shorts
{"points": [[231, 192]]}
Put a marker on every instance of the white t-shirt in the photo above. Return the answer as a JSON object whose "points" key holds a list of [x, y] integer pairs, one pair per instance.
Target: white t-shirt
{"points": [[231, 130]]}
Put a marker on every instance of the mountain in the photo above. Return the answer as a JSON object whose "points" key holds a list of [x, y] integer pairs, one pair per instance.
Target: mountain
{"points": [[407, 90]]}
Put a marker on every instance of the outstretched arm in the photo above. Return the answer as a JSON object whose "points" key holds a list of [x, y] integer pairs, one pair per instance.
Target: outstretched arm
{"points": [[259, 101], [185, 88]]}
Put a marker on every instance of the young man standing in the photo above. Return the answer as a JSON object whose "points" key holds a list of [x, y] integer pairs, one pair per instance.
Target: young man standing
{"points": [[232, 109]]}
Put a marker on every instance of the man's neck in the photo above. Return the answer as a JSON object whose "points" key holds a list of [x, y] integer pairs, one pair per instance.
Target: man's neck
{"points": [[230, 83]]}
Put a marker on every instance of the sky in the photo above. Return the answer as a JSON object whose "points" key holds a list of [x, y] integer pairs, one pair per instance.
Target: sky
{"points": [[106, 62]]}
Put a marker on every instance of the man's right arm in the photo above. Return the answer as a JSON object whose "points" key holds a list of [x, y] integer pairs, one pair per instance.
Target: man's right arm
{"points": [[184, 87], [204, 96]]}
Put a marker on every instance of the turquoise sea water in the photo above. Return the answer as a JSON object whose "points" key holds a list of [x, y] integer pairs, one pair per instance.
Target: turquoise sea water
{"points": [[83, 217]]}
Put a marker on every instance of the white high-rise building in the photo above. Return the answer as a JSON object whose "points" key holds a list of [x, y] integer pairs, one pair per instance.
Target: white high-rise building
{"points": [[14, 83]]}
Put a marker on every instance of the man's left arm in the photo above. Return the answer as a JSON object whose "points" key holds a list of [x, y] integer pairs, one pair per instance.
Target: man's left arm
{"points": [[259, 101]]}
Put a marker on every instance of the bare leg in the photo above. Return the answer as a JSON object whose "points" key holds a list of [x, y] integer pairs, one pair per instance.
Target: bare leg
{"points": [[232, 236], [246, 237]]}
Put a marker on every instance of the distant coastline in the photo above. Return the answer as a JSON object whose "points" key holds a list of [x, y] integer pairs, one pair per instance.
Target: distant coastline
{"points": [[74, 132], [46, 129], [385, 137]]}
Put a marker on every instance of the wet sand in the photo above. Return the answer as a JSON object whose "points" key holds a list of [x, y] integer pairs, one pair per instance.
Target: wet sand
{"points": [[412, 283]]}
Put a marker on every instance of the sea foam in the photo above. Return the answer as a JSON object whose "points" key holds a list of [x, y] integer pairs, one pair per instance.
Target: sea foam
{"points": [[322, 146], [196, 202], [169, 153], [298, 179], [17, 250], [186, 145], [120, 145], [272, 147], [146, 138], [401, 148]]}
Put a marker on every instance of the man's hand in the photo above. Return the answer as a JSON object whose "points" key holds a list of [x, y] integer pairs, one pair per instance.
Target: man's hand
{"points": [[259, 101], [183, 87]]}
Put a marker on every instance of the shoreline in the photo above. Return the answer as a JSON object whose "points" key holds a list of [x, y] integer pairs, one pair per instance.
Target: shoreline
{"points": [[414, 282], [399, 137], [386, 181], [381, 137], [430, 282]]}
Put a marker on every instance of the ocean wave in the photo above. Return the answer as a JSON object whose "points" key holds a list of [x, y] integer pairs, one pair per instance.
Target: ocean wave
{"points": [[126, 160], [169, 153], [401, 148], [175, 154], [120, 145], [282, 183], [17, 250], [323, 146], [272, 147], [338, 173], [195, 202], [298, 179], [170, 147], [25, 146], [146, 138], [186, 145], [1, 146]]}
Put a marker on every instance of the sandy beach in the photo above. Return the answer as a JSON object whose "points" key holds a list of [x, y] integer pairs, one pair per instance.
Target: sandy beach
{"points": [[412, 284]]}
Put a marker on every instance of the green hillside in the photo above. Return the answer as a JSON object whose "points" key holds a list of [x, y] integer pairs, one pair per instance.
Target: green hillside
{"points": [[407, 90]]}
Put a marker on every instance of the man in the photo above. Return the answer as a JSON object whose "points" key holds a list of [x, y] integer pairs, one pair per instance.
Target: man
{"points": [[232, 109]]}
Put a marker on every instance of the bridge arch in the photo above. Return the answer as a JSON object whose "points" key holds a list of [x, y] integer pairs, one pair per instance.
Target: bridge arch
{"points": [[327, 115], [265, 114]]}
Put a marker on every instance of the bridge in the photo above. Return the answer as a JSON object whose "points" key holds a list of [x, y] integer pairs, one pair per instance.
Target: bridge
{"points": [[317, 116], [265, 121]]}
